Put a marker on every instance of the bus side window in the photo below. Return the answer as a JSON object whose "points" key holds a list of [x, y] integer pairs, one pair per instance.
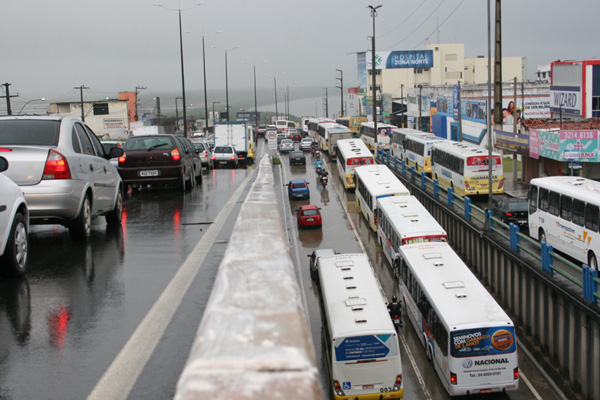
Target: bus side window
{"points": [[591, 217], [578, 212], [533, 199], [543, 201], [553, 203], [566, 207]]}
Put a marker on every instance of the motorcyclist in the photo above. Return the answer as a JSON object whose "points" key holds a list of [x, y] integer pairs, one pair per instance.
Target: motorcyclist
{"points": [[395, 308], [318, 166]]}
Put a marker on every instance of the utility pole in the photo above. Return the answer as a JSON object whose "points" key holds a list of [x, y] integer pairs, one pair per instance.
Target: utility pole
{"points": [[158, 110], [8, 96], [341, 87], [373, 69], [459, 115], [498, 68], [420, 117], [326, 104], [81, 99], [137, 88]]}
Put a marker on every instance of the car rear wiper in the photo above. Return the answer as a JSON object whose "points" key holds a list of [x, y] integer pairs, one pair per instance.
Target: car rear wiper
{"points": [[157, 146]]}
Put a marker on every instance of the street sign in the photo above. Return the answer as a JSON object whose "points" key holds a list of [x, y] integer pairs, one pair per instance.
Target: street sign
{"points": [[272, 139]]}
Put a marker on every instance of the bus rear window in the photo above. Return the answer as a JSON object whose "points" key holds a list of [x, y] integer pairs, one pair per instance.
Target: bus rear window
{"points": [[483, 341], [361, 161]]}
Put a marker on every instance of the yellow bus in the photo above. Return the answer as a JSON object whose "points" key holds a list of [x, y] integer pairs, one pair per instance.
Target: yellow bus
{"points": [[352, 153]]}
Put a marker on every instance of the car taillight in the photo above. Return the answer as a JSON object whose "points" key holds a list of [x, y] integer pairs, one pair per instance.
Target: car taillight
{"points": [[240, 156], [56, 166], [516, 373], [175, 155], [232, 158], [122, 158], [214, 158], [453, 380], [509, 214]]}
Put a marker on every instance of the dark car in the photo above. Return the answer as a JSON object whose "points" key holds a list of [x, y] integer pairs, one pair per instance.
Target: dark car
{"points": [[314, 257], [512, 209], [261, 130], [194, 154], [294, 134], [297, 157], [156, 160], [297, 189]]}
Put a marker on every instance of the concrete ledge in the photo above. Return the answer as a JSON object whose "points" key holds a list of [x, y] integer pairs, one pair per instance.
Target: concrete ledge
{"points": [[254, 341]]}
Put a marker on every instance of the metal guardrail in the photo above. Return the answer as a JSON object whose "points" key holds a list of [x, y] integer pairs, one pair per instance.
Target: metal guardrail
{"points": [[546, 255]]}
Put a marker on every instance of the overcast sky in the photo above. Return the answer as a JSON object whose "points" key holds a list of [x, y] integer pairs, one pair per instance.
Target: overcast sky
{"points": [[49, 47]]}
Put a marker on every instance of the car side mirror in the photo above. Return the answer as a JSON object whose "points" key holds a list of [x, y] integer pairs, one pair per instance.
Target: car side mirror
{"points": [[115, 152]]}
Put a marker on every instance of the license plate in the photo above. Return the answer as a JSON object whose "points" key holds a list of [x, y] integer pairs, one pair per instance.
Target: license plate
{"points": [[310, 219], [365, 387], [522, 222], [222, 162], [151, 172]]}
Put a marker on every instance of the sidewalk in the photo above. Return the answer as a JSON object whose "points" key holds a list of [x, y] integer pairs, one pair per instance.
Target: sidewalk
{"points": [[515, 189]]}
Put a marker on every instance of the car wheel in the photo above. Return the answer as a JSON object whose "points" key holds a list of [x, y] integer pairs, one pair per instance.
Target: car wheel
{"points": [[182, 185], [199, 176], [115, 216], [14, 260], [192, 179], [81, 227]]}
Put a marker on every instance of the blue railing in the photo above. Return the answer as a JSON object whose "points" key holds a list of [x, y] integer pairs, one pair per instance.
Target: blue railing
{"points": [[542, 251]]}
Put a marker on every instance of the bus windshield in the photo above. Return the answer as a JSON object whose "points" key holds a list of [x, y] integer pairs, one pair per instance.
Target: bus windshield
{"points": [[483, 341]]}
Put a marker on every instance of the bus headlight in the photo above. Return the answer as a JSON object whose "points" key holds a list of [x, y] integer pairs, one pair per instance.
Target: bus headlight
{"points": [[398, 383], [338, 388]]}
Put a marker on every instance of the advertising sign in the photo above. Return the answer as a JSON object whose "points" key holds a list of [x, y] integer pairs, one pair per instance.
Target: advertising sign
{"points": [[474, 110], [565, 99], [402, 59], [361, 60], [483, 342], [455, 97], [512, 142], [362, 348], [534, 144]]}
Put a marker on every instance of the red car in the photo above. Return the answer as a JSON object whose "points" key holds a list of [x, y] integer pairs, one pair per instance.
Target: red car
{"points": [[309, 215]]}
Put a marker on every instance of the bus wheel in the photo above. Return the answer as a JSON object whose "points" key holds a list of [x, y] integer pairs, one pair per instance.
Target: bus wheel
{"points": [[429, 353], [592, 261], [542, 236]]}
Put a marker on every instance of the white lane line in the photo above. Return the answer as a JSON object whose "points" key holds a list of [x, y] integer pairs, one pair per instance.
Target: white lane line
{"points": [[119, 378], [401, 334], [533, 391], [551, 382]]}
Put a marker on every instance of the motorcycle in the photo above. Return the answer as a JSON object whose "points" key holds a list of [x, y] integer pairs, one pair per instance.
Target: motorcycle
{"points": [[397, 322], [323, 179]]}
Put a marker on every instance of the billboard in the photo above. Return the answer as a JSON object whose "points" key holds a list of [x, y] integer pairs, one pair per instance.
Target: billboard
{"points": [[402, 59], [565, 145], [565, 99]]}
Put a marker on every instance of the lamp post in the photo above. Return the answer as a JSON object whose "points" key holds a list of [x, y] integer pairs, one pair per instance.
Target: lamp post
{"points": [[214, 102], [177, 114], [181, 57], [204, 71], [373, 15], [42, 99], [227, 82], [402, 98]]}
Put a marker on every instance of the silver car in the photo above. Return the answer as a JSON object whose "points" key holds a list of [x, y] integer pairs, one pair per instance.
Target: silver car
{"points": [[63, 171], [286, 145]]}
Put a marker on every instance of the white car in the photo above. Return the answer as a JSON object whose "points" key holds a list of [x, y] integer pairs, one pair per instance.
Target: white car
{"points": [[14, 226]]}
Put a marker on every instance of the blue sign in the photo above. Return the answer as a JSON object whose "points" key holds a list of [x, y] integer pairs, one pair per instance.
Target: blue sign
{"points": [[483, 341], [455, 97], [410, 59], [362, 348]]}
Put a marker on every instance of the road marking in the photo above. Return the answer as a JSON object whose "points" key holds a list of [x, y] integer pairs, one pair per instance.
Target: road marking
{"points": [[556, 389], [119, 378]]}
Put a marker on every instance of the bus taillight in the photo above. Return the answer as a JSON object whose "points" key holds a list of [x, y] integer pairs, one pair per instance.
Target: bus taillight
{"points": [[453, 380], [338, 388], [398, 383], [516, 373]]}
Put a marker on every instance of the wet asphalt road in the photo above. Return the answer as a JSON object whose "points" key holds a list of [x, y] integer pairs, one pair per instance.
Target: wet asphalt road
{"points": [[64, 325]]}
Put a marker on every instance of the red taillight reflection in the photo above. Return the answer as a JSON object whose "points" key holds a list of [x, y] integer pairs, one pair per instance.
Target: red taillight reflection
{"points": [[175, 155], [58, 323], [56, 167]]}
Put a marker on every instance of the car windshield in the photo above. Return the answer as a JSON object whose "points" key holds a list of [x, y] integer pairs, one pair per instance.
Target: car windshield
{"points": [[29, 132], [148, 143], [223, 149]]}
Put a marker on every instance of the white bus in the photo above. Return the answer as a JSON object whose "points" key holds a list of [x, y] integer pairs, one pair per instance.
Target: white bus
{"points": [[379, 139], [352, 153], [304, 125], [465, 168], [417, 151], [361, 342], [401, 221], [375, 182], [313, 123], [397, 140], [328, 133], [467, 336], [564, 211], [282, 124]]}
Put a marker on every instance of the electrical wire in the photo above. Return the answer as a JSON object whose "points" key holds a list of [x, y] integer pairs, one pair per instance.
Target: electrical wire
{"points": [[406, 19], [420, 25], [438, 27]]}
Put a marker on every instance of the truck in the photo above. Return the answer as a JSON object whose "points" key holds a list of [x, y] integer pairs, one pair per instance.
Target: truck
{"points": [[239, 135]]}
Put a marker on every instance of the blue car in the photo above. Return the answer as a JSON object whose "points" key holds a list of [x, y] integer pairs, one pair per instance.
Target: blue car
{"points": [[298, 188]]}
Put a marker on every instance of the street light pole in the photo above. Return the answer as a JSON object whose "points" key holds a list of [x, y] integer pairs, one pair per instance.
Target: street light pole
{"points": [[137, 88], [214, 102], [276, 111], [205, 90], [227, 83], [373, 15], [42, 99], [255, 101], [181, 58]]}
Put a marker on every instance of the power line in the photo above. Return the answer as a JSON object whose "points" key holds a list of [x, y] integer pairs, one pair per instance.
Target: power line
{"points": [[420, 25], [438, 27], [402, 23]]}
